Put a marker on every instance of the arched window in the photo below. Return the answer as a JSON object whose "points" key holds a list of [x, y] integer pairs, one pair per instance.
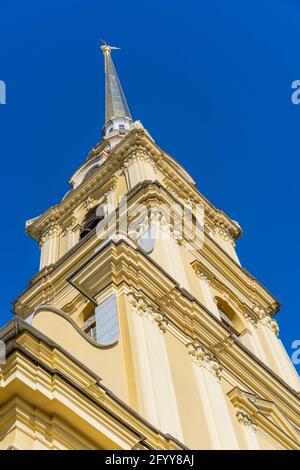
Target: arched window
{"points": [[91, 221], [229, 317]]}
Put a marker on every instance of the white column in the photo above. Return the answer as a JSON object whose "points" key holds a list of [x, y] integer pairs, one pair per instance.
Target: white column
{"points": [[251, 340], [111, 199], [138, 168], [279, 362], [169, 419], [53, 246], [49, 246], [207, 296], [177, 270], [44, 245], [70, 239], [249, 429], [227, 243], [207, 371], [143, 375], [159, 400]]}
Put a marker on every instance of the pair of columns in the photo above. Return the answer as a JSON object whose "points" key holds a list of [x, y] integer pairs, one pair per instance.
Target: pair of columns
{"points": [[261, 338], [51, 242], [156, 393]]}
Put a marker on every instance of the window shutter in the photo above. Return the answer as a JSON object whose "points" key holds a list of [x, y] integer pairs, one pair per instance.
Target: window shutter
{"points": [[107, 322]]}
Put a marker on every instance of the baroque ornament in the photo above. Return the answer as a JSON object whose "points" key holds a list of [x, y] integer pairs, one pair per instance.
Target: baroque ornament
{"points": [[202, 357], [266, 319], [143, 309], [245, 419]]}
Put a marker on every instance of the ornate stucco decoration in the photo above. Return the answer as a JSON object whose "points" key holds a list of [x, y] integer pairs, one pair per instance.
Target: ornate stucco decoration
{"points": [[203, 357], [52, 232], [139, 156], [156, 216], [224, 233], [143, 309], [246, 420], [266, 319], [111, 189], [223, 345], [204, 276], [89, 203]]}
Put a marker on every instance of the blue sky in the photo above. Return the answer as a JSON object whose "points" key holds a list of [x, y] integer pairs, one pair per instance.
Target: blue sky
{"points": [[210, 80]]}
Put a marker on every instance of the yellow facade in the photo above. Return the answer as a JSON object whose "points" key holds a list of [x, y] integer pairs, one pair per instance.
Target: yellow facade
{"points": [[193, 359]]}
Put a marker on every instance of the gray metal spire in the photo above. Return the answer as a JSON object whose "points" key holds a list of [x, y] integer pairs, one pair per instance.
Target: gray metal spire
{"points": [[117, 114]]}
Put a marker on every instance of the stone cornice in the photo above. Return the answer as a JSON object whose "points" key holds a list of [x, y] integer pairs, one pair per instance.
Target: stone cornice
{"points": [[211, 257], [93, 401], [183, 312], [136, 142], [187, 318], [257, 413]]}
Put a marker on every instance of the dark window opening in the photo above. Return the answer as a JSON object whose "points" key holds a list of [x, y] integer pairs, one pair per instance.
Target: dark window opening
{"points": [[91, 221], [228, 318]]}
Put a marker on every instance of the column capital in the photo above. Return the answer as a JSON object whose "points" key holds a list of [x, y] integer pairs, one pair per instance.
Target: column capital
{"points": [[89, 203], [142, 308], [270, 323], [246, 420], [203, 276], [203, 357]]}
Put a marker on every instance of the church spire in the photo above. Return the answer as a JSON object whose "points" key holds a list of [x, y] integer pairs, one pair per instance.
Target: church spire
{"points": [[117, 115]]}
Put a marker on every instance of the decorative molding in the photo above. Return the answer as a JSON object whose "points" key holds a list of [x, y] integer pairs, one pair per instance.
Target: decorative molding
{"points": [[144, 223], [266, 319], [139, 156], [272, 324], [223, 345], [143, 309], [89, 203], [246, 420], [224, 233], [203, 357], [52, 232], [111, 189], [203, 276]]}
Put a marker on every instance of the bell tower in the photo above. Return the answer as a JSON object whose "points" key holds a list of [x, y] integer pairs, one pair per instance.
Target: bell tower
{"points": [[141, 329]]}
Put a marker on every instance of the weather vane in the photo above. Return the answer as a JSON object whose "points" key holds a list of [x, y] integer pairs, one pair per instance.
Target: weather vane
{"points": [[106, 48]]}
